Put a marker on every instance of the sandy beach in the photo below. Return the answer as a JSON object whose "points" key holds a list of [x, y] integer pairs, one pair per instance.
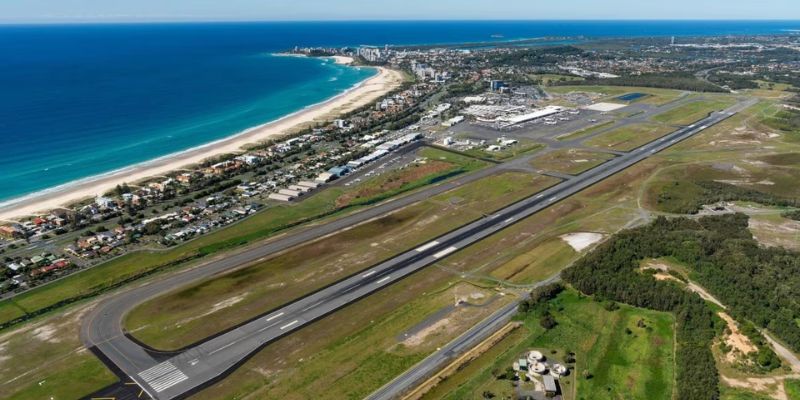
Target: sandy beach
{"points": [[362, 94]]}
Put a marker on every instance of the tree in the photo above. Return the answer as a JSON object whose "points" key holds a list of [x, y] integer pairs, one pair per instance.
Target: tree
{"points": [[152, 228], [547, 321]]}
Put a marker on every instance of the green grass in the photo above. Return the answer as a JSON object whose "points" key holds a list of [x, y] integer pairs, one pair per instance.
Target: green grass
{"points": [[729, 393], [638, 365], [656, 96], [547, 79], [630, 137], [570, 161], [674, 190], [692, 112], [506, 153], [82, 376], [262, 225], [537, 264], [792, 387], [47, 360], [585, 131], [171, 321]]}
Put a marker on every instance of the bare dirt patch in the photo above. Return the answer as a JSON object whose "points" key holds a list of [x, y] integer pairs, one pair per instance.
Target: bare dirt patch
{"points": [[771, 386], [582, 240], [46, 333], [778, 234], [740, 343]]}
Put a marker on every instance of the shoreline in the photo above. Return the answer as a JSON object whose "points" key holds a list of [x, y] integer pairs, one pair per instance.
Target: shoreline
{"points": [[56, 197]]}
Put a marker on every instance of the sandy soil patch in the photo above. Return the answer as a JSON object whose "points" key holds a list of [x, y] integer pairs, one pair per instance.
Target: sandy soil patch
{"points": [[419, 337], [784, 234], [736, 340], [46, 333], [582, 240], [3, 356], [772, 386], [705, 295]]}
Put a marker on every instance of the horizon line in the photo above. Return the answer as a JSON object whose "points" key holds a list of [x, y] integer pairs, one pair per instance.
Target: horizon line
{"points": [[173, 20]]}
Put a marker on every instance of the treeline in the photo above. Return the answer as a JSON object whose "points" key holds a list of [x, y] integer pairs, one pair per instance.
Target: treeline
{"points": [[733, 81], [786, 120], [540, 56], [712, 192], [756, 283], [679, 81], [795, 215]]}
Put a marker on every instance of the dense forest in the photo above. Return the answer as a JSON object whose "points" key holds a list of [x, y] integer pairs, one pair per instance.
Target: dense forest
{"points": [[679, 81], [710, 192], [756, 283]]}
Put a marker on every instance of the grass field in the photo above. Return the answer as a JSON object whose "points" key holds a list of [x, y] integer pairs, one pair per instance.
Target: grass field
{"points": [[792, 387], [630, 137], [677, 186], [585, 132], [636, 365], [200, 310], [541, 262], [250, 230], [570, 161], [547, 79], [694, 111], [47, 361], [656, 96], [728, 393], [523, 147]]}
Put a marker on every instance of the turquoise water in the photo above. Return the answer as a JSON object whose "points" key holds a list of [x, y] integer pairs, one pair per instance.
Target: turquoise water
{"points": [[82, 100]]}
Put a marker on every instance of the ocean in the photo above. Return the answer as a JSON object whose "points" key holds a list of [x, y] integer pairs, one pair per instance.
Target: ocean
{"points": [[81, 100]]}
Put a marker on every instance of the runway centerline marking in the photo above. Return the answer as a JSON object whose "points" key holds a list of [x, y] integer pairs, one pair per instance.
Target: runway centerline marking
{"points": [[368, 274], [274, 316], [426, 246], [312, 306], [290, 324], [445, 252]]}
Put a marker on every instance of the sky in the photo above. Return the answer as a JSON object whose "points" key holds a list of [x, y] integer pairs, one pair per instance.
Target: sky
{"points": [[22, 11]]}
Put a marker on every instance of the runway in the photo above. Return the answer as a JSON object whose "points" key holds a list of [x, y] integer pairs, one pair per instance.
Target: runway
{"points": [[177, 375]]}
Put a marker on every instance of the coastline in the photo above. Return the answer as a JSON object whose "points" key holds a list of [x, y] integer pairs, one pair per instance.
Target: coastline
{"points": [[359, 95]]}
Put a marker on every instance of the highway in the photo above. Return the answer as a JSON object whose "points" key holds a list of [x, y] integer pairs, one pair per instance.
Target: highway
{"points": [[177, 375]]}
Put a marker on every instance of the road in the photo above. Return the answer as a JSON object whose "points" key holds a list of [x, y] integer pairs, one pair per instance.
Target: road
{"points": [[176, 375], [467, 340]]}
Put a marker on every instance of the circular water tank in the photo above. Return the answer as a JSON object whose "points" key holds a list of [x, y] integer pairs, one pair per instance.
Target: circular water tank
{"points": [[560, 369], [535, 356], [538, 368]]}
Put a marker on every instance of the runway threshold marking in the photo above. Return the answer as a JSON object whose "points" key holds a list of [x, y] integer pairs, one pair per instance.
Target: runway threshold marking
{"points": [[445, 252], [163, 376]]}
